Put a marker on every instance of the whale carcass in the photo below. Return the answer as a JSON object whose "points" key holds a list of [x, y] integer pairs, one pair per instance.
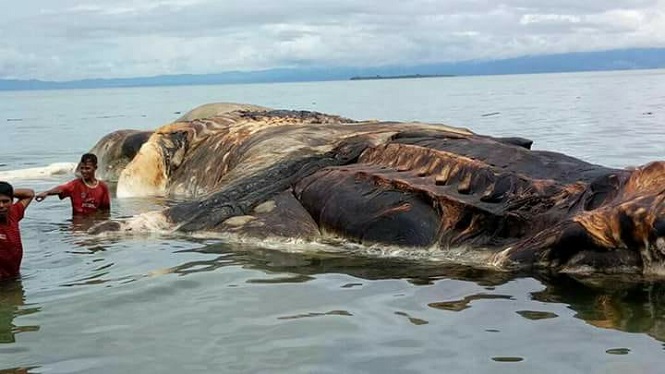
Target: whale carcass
{"points": [[262, 172]]}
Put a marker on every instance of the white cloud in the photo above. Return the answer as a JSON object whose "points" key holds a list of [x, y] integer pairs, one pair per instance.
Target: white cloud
{"points": [[550, 19], [72, 39]]}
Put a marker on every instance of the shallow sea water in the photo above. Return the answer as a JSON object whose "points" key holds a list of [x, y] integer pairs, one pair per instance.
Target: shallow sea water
{"points": [[155, 303]]}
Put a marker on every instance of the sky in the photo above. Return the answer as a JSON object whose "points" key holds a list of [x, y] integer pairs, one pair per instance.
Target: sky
{"points": [[62, 40]]}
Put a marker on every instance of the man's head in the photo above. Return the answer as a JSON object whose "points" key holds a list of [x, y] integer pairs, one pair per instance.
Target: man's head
{"points": [[6, 199], [89, 158], [87, 166]]}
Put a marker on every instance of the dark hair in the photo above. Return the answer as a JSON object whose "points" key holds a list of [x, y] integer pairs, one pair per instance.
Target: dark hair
{"points": [[6, 189], [89, 158]]}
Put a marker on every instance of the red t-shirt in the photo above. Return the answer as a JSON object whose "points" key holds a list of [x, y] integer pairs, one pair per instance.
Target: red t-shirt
{"points": [[86, 200], [11, 249]]}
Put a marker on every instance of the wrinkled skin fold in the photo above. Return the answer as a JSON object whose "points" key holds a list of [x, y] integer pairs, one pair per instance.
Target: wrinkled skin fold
{"points": [[260, 172]]}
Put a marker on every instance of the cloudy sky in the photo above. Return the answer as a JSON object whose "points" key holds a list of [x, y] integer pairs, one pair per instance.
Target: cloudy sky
{"points": [[76, 39]]}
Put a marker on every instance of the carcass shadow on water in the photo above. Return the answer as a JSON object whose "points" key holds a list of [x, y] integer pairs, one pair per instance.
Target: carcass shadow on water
{"points": [[623, 303]]}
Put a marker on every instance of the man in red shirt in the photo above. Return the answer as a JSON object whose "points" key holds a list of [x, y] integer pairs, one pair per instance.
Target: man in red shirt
{"points": [[11, 248], [88, 194]]}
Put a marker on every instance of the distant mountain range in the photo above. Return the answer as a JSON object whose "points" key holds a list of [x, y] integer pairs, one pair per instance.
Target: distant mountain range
{"points": [[625, 59]]}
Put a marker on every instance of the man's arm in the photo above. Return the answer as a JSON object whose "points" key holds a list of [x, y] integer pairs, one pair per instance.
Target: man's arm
{"points": [[53, 191], [24, 196]]}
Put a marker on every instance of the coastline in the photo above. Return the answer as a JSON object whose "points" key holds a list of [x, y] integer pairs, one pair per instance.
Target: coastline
{"points": [[408, 76]]}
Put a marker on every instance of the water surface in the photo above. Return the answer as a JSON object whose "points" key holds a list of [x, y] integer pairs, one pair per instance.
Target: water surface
{"points": [[155, 304]]}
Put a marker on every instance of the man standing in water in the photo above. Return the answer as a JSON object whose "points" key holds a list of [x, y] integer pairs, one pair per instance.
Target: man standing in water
{"points": [[88, 194], [11, 248]]}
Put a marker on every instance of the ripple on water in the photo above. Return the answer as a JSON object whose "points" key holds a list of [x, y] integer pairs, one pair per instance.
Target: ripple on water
{"points": [[413, 320], [618, 351], [315, 314], [7, 350], [20, 370], [536, 315], [465, 303], [507, 359], [288, 279], [76, 365], [351, 285]]}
